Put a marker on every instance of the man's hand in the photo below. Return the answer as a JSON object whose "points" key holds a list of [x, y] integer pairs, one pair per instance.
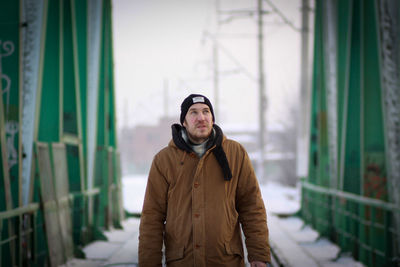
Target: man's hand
{"points": [[258, 264]]}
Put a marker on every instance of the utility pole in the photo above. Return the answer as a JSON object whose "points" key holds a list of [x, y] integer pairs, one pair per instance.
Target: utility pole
{"points": [[262, 104], [125, 122], [304, 103], [262, 97], [216, 78], [215, 63], [166, 108]]}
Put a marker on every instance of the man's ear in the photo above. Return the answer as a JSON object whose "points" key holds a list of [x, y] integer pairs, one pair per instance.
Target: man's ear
{"points": [[184, 123]]}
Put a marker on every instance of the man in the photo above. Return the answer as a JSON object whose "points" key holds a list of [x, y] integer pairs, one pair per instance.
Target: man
{"points": [[200, 189]]}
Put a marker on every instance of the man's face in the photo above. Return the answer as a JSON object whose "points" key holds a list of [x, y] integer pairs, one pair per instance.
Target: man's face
{"points": [[198, 123]]}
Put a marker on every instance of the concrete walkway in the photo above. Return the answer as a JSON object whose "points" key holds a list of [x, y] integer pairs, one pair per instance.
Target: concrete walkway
{"points": [[293, 244], [120, 250], [298, 245]]}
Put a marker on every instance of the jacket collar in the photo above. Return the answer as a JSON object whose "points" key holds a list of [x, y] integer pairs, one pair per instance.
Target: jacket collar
{"points": [[214, 143]]}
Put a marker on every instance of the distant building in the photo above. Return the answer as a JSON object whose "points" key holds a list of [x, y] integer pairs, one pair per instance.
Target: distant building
{"points": [[139, 144], [280, 150]]}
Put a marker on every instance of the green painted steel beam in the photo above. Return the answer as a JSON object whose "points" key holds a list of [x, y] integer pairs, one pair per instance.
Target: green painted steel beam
{"points": [[69, 87], [5, 188], [360, 212], [313, 149], [10, 76], [32, 64], [70, 49], [388, 13], [10, 121], [49, 114]]}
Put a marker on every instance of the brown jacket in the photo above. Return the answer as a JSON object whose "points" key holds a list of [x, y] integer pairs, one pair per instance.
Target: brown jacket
{"points": [[197, 213]]}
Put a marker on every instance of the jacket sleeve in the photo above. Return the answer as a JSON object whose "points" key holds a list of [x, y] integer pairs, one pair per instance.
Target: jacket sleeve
{"points": [[153, 216], [252, 214]]}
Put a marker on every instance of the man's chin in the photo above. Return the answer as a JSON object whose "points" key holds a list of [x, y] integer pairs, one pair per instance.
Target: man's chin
{"points": [[200, 137], [204, 134]]}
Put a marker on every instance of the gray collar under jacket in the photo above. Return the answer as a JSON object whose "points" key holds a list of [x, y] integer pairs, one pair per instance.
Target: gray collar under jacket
{"points": [[215, 139]]}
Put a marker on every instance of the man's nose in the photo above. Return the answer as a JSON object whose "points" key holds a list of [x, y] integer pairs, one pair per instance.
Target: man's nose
{"points": [[201, 117]]}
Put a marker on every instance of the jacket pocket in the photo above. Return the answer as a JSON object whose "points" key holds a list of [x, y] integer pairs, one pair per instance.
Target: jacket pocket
{"points": [[232, 249], [174, 254]]}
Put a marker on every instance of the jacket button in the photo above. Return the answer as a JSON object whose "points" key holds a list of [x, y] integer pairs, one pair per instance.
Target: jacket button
{"points": [[197, 246], [197, 215], [196, 184]]}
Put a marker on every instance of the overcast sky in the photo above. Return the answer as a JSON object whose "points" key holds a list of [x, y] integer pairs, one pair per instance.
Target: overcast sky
{"points": [[166, 46]]}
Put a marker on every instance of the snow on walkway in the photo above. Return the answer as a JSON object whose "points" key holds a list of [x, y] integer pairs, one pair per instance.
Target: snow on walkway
{"points": [[295, 243]]}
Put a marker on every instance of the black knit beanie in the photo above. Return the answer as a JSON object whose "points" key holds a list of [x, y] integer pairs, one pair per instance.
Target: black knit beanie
{"points": [[194, 99]]}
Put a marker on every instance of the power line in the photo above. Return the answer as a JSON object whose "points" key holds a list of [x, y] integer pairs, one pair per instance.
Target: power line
{"points": [[233, 14], [234, 60], [280, 14], [231, 57]]}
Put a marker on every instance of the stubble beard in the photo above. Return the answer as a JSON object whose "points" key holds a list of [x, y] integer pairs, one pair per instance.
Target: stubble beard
{"points": [[200, 137]]}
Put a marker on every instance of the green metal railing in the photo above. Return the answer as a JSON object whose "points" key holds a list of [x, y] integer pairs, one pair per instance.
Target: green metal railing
{"points": [[21, 245], [25, 245], [360, 225]]}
